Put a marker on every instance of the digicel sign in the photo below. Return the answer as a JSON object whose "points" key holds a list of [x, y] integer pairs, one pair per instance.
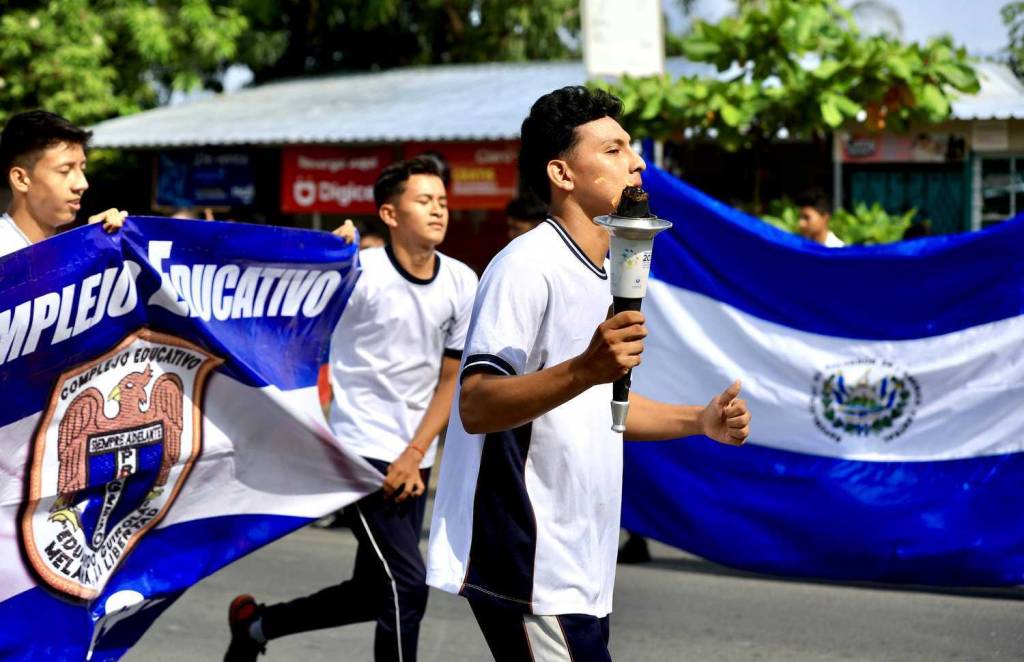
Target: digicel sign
{"points": [[484, 174], [331, 179]]}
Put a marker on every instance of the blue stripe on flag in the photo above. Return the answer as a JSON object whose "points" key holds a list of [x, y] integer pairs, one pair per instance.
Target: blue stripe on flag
{"points": [[258, 356], [950, 523], [897, 291], [166, 562]]}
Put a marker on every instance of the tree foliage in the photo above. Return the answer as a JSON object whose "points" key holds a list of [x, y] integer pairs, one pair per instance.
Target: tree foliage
{"points": [[796, 68], [91, 59], [296, 37], [1013, 19]]}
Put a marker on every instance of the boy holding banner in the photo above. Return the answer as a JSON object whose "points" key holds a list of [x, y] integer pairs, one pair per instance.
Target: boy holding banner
{"points": [[526, 518], [42, 157], [394, 359]]}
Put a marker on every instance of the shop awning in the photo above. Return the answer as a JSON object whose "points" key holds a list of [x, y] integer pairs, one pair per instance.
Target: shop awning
{"points": [[1001, 96]]}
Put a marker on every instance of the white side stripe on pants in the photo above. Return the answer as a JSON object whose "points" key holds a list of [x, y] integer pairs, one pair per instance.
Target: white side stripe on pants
{"points": [[547, 641], [394, 586]]}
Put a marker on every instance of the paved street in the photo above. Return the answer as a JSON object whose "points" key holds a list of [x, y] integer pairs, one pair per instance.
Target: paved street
{"points": [[677, 608]]}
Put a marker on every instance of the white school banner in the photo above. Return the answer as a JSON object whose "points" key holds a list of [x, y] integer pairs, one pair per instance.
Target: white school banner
{"points": [[160, 419]]}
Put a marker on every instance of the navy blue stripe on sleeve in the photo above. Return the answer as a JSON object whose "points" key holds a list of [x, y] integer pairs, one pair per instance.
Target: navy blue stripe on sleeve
{"points": [[488, 363]]}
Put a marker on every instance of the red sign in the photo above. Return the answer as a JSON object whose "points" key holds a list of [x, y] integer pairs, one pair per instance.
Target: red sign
{"points": [[887, 148], [484, 174], [331, 179]]}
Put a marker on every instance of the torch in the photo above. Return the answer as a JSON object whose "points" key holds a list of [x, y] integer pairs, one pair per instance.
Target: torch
{"points": [[632, 228]]}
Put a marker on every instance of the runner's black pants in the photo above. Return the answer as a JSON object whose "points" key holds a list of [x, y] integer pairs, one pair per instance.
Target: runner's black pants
{"points": [[388, 583]]}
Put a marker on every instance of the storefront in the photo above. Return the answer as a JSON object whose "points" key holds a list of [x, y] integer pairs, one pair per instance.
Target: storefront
{"points": [[997, 191], [965, 174], [961, 175], [323, 185], [305, 153], [926, 170]]}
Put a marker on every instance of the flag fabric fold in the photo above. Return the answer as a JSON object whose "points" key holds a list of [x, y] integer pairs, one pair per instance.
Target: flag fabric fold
{"points": [[160, 419], [885, 385]]}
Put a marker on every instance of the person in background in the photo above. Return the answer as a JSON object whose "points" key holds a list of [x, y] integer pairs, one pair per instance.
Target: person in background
{"points": [[523, 214], [42, 157], [371, 237], [815, 214], [188, 213], [394, 361]]}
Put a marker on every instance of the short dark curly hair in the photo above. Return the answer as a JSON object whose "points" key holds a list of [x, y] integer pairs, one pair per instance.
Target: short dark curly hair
{"points": [[391, 180], [549, 131], [27, 135]]}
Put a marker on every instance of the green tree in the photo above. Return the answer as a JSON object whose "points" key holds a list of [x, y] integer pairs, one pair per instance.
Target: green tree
{"points": [[800, 69], [1013, 19], [296, 37], [299, 37], [92, 59]]}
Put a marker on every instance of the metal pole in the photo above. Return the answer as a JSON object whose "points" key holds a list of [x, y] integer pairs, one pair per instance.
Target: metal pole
{"points": [[837, 173]]}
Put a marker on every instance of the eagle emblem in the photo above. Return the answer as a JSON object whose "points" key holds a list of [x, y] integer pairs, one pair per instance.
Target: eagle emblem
{"points": [[110, 457]]}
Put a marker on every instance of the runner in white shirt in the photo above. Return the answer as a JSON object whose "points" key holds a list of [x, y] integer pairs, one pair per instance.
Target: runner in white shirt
{"points": [[394, 361], [385, 357], [42, 157], [526, 517]]}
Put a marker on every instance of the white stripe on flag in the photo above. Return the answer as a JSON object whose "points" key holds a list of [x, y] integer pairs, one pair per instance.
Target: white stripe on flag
{"points": [[970, 382], [265, 452]]}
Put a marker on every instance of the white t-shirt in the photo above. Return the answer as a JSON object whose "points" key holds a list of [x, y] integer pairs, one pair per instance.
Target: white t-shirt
{"points": [[11, 237], [387, 347], [832, 241], [529, 518]]}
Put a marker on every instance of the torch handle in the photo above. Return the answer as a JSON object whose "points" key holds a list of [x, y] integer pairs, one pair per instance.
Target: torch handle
{"points": [[620, 387]]}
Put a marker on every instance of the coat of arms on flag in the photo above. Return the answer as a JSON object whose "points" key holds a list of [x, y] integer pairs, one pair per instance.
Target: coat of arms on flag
{"points": [[111, 454], [864, 397]]}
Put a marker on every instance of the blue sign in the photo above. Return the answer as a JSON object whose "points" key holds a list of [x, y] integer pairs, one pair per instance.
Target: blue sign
{"points": [[204, 179]]}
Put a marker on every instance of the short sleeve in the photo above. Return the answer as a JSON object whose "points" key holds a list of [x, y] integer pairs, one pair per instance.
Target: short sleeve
{"points": [[455, 340], [510, 308]]}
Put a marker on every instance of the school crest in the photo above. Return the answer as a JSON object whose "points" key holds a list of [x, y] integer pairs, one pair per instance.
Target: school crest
{"points": [[110, 456], [864, 398]]}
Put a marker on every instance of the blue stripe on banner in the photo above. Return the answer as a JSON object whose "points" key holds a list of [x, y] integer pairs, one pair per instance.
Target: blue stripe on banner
{"points": [[165, 563], [950, 523], [900, 291], [256, 357]]}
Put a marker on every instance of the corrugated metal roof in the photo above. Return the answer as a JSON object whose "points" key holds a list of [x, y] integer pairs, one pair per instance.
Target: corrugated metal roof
{"points": [[1001, 96], [450, 102], [438, 103]]}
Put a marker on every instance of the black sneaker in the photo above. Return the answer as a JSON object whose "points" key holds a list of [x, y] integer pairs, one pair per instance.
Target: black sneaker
{"points": [[243, 648]]}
